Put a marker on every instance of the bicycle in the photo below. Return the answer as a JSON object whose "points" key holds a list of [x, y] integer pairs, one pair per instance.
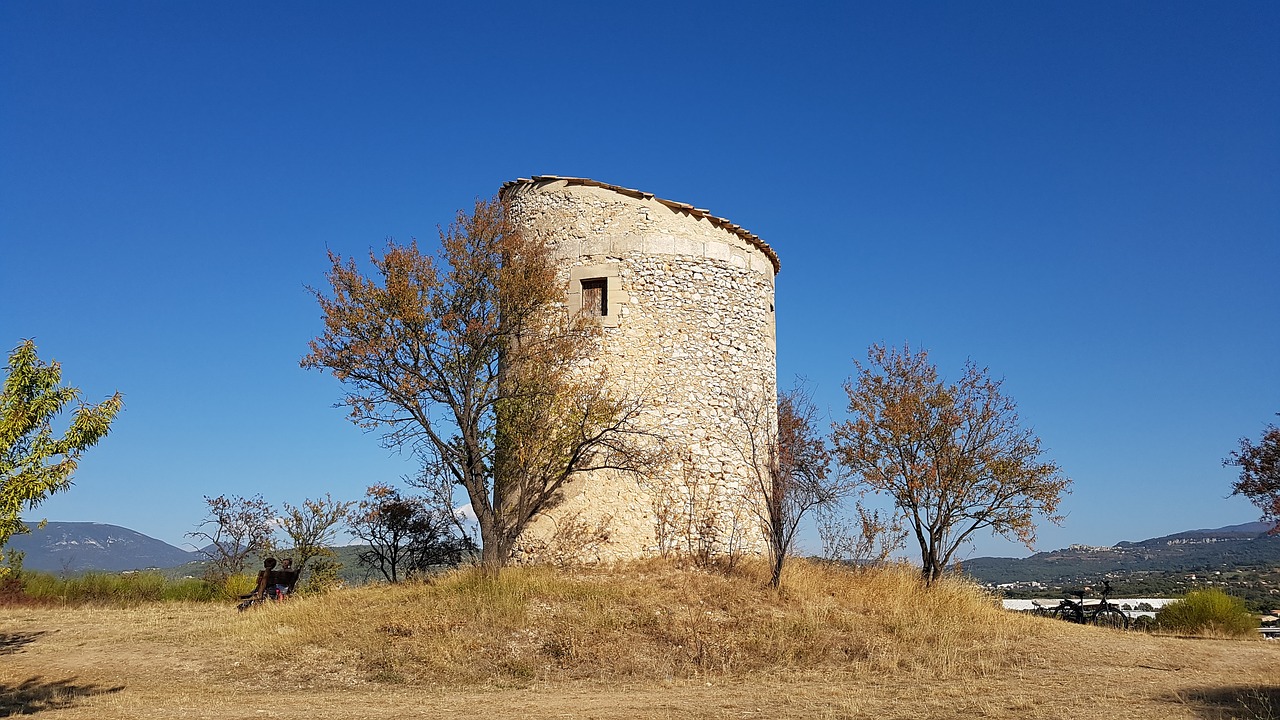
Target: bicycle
{"points": [[1103, 614]]}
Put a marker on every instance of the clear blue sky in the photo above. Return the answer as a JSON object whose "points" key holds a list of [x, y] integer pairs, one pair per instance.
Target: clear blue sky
{"points": [[1084, 197]]}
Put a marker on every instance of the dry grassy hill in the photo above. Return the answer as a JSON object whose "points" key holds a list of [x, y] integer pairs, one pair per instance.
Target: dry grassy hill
{"points": [[649, 640]]}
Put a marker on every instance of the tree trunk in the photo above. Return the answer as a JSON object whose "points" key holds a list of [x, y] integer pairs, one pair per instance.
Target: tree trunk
{"points": [[779, 557], [493, 552], [491, 558], [930, 568]]}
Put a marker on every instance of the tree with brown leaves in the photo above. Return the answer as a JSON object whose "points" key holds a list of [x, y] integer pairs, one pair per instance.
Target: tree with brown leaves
{"points": [[955, 458], [471, 360], [1259, 473]]}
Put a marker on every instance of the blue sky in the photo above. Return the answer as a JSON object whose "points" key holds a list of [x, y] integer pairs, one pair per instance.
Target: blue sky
{"points": [[1084, 197]]}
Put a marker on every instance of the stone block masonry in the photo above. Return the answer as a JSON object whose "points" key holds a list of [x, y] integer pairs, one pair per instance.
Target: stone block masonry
{"points": [[686, 302]]}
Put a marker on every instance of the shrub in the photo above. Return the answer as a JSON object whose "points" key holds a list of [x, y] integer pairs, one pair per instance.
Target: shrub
{"points": [[323, 576], [1207, 612], [238, 585]]}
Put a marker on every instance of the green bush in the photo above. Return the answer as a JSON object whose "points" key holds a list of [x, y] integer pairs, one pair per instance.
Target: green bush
{"points": [[1207, 612], [100, 588]]}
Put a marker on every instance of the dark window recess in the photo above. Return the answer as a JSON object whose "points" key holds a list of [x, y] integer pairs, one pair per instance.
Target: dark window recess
{"points": [[595, 297]]}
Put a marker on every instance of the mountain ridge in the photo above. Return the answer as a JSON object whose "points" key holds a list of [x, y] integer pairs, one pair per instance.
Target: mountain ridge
{"points": [[1212, 549], [81, 546]]}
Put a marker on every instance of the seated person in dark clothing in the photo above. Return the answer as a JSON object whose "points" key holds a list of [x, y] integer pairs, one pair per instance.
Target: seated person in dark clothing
{"points": [[266, 578], [285, 578]]}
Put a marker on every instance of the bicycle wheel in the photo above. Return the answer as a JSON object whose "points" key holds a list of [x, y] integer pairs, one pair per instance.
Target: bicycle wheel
{"points": [[1071, 612], [1110, 617]]}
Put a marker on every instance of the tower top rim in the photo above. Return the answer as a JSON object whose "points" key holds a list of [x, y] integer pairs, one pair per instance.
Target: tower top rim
{"points": [[679, 207]]}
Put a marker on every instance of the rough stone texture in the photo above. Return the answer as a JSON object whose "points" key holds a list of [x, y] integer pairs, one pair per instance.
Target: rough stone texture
{"points": [[690, 327]]}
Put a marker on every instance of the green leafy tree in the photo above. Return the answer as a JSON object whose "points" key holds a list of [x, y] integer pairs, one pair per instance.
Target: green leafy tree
{"points": [[954, 457], [1259, 480], [34, 461]]}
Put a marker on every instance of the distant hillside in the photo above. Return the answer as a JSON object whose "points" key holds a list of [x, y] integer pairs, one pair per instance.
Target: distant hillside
{"points": [[76, 547], [1226, 548], [1247, 531], [79, 546]]}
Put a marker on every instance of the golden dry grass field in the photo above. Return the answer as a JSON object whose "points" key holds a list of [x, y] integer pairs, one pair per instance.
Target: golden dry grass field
{"points": [[647, 640]]}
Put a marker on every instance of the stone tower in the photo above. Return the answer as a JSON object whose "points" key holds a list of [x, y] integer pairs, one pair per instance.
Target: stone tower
{"points": [[685, 300]]}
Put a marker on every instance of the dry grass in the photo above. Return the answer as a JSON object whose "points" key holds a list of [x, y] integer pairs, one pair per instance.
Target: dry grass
{"points": [[646, 640], [651, 620]]}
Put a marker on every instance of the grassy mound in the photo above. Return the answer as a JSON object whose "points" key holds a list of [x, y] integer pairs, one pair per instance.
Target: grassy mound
{"points": [[645, 620]]}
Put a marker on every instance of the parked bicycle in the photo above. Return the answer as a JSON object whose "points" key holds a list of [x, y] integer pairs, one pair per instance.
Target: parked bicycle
{"points": [[1103, 613]]}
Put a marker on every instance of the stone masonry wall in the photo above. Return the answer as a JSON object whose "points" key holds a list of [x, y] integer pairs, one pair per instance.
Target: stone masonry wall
{"points": [[690, 329]]}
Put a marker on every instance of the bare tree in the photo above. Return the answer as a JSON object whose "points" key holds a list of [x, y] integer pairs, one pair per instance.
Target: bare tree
{"points": [[955, 458], [691, 518], [312, 527], [790, 465], [868, 538], [235, 529], [473, 362]]}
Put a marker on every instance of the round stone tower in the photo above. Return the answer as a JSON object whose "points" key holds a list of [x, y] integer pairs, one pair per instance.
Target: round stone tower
{"points": [[685, 301]]}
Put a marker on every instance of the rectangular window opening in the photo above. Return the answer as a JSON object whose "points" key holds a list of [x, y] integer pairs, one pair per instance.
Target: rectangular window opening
{"points": [[595, 297]]}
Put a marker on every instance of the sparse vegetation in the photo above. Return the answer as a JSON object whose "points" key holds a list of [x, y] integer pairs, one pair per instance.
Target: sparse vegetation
{"points": [[1209, 612], [311, 528], [235, 529]]}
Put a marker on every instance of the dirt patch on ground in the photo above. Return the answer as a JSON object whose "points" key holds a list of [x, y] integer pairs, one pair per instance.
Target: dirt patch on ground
{"points": [[169, 661]]}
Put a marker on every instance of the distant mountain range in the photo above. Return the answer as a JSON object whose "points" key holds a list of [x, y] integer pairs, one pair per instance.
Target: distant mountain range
{"points": [[1231, 547], [79, 546]]}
